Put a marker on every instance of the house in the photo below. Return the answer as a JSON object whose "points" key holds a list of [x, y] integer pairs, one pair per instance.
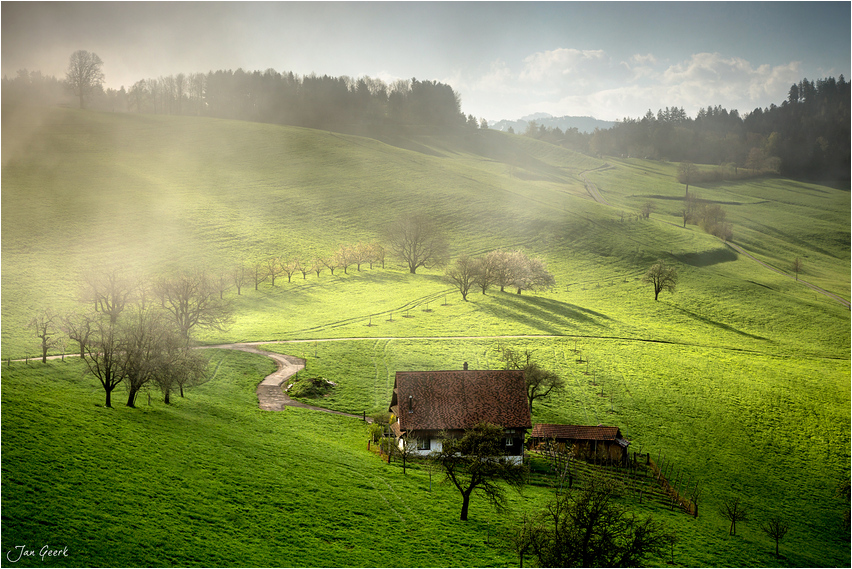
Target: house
{"points": [[430, 405], [587, 442]]}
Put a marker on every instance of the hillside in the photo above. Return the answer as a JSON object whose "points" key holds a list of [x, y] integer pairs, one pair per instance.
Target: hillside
{"points": [[741, 377]]}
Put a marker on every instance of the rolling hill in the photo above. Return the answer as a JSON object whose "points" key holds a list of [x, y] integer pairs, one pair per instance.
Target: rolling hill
{"points": [[741, 377]]}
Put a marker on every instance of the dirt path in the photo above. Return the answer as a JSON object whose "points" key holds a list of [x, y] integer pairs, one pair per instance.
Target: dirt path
{"points": [[831, 295], [593, 189], [270, 391]]}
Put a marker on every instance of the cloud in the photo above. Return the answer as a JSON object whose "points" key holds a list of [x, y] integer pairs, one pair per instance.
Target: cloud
{"points": [[640, 66], [544, 66], [587, 82], [706, 78]]}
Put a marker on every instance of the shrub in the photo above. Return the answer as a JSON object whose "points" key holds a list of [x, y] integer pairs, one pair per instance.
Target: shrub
{"points": [[311, 387]]}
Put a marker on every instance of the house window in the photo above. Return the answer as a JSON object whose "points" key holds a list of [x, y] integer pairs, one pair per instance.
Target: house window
{"points": [[510, 442], [424, 444]]}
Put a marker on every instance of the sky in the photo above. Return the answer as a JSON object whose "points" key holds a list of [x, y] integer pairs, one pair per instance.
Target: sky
{"points": [[609, 60]]}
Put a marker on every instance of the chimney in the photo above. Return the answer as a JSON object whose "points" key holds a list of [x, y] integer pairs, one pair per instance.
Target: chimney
{"points": [[465, 366]]}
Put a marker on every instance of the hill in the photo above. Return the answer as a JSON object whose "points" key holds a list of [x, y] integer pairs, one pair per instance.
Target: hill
{"points": [[741, 378]]}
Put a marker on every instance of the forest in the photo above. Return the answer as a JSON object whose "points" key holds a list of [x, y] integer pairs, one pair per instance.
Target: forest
{"points": [[806, 136]]}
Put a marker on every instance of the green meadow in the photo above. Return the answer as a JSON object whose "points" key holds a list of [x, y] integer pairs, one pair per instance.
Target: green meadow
{"points": [[741, 378]]}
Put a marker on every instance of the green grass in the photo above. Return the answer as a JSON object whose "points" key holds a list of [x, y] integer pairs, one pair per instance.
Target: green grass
{"points": [[741, 377], [213, 481]]}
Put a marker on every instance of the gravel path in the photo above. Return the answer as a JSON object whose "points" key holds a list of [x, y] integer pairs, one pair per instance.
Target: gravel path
{"points": [[270, 391]]}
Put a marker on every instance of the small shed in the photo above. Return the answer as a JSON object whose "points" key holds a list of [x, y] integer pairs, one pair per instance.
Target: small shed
{"points": [[587, 442]]}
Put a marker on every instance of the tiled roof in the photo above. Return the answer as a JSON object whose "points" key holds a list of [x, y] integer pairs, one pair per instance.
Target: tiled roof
{"points": [[438, 400], [575, 432]]}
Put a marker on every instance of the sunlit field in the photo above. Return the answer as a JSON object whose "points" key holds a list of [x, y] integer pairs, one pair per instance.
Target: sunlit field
{"points": [[741, 377]]}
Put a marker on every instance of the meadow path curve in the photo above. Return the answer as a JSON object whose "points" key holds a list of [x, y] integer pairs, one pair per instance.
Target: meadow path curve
{"points": [[270, 391]]}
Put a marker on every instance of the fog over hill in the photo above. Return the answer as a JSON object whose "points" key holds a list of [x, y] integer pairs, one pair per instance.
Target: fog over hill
{"points": [[582, 124]]}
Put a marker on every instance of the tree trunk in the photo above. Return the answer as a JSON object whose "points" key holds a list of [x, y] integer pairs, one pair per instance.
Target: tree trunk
{"points": [[465, 503], [108, 398], [166, 397], [131, 398]]}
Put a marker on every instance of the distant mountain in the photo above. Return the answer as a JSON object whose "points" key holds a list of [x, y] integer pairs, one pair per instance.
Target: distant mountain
{"points": [[583, 124]]}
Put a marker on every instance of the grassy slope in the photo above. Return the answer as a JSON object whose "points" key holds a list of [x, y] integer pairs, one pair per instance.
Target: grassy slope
{"points": [[742, 376]]}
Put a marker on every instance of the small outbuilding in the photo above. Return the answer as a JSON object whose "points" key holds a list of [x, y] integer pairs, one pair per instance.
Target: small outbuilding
{"points": [[429, 405], [586, 442]]}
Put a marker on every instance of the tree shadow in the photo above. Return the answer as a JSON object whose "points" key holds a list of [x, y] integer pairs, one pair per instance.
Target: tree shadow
{"points": [[548, 315], [720, 325], [707, 258]]}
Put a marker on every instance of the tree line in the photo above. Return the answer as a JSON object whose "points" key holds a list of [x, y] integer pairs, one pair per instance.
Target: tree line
{"points": [[313, 101], [807, 135]]}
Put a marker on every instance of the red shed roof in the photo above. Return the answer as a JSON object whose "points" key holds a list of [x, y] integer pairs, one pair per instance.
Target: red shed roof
{"points": [[576, 432], [439, 400]]}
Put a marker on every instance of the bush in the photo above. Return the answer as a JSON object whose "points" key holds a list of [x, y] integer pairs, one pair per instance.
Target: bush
{"points": [[311, 387]]}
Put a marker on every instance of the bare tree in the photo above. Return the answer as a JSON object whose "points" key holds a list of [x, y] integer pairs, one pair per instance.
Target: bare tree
{"points": [[686, 173], [46, 330], [376, 254], [775, 528], [360, 254], [521, 537], [796, 266], [405, 450], [540, 382], [274, 267], [476, 462], [418, 242], [190, 298], [79, 327], [662, 277], [317, 265], [239, 276], [105, 357], [462, 274], [109, 291], [484, 272], [734, 510], [343, 257], [531, 274], [303, 267], [259, 273], [503, 267], [143, 337], [222, 281], [290, 268], [690, 208], [84, 74], [331, 263], [177, 366]]}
